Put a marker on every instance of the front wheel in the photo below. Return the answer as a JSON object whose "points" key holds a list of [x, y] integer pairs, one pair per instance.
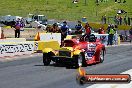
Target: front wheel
{"points": [[102, 56], [46, 59], [79, 60]]}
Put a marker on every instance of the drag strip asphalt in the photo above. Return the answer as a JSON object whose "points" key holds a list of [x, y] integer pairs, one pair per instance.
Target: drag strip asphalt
{"points": [[30, 72]]}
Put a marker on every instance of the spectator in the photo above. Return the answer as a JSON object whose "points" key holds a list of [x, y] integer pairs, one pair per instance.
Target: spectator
{"points": [[87, 29], [64, 30], [120, 20], [13, 23], [125, 20], [49, 28], [78, 28], [17, 28], [129, 22], [22, 23], [104, 19], [115, 20], [130, 32], [87, 33], [101, 30], [55, 28]]}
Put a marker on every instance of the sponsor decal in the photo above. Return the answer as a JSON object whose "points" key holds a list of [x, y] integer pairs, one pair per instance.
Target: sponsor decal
{"points": [[36, 46], [16, 48], [91, 47], [83, 78]]}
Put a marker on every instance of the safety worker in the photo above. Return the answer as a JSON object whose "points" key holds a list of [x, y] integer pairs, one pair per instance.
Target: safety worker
{"points": [[111, 33]]}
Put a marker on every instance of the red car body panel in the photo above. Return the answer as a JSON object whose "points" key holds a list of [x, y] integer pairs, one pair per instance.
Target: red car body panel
{"points": [[84, 45]]}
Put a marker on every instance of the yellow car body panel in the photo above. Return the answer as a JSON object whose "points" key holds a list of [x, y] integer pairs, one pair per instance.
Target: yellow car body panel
{"points": [[76, 52], [47, 50], [66, 48], [48, 45]]}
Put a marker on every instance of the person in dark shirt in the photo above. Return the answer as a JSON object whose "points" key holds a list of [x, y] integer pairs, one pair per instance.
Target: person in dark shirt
{"points": [[125, 20], [78, 28], [130, 32], [120, 20], [13, 23], [129, 21], [104, 19], [17, 29], [64, 30]]}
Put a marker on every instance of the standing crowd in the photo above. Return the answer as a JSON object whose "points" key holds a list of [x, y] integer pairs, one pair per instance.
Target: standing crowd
{"points": [[65, 30], [119, 20], [82, 29]]}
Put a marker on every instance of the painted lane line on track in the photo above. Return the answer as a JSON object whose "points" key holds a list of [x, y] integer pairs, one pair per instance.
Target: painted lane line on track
{"points": [[114, 85], [119, 45], [6, 59]]}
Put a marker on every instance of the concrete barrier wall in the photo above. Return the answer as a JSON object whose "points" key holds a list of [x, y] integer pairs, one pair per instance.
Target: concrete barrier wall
{"points": [[104, 38], [13, 49], [50, 36], [57, 37]]}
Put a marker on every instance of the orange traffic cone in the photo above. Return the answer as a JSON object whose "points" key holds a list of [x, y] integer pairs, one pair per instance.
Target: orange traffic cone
{"points": [[37, 37]]}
